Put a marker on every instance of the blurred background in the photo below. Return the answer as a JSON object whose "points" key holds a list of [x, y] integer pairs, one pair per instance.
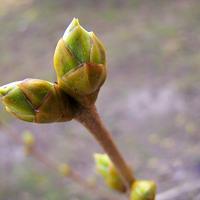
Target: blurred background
{"points": [[150, 100]]}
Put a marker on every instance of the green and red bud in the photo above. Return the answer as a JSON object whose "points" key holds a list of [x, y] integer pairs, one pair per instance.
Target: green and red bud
{"points": [[80, 63], [35, 100], [105, 167]]}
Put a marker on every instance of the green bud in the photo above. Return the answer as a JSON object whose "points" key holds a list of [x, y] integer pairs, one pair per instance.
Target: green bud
{"points": [[105, 167], [64, 169], [29, 142], [80, 63], [35, 100], [143, 190], [28, 138]]}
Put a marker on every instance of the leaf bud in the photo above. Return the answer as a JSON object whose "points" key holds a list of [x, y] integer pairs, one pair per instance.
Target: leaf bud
{"points": [[35, 100], [105, 167], [143, 190], [80, 63]]}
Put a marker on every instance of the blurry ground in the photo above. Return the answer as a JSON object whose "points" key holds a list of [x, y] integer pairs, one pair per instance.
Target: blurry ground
{"points": [[150, 101]]}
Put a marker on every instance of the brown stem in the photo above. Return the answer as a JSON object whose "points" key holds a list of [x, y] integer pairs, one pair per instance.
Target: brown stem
{"points": [[91, 120]]}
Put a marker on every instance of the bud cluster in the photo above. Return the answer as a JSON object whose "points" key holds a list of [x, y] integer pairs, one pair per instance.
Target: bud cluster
{"points": [[80, 66]]}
